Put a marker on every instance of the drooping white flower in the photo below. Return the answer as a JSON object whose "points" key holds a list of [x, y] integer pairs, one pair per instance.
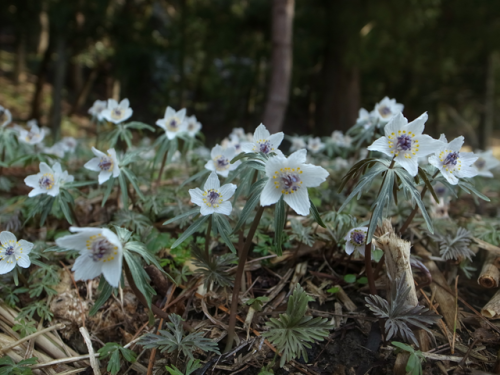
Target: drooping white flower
{"points": [[173, 123], [220, 161], [13, 252], [117, 113], [56, 149], [263, 141], [106, 164], [48, 181], [387, 109], [33, 136], [97, 108], [298, 143], [405, 142], [315, 145], [355, 240], [5, 117], [193, 126], [213, 198], [452, 163], [100, 253], [69, 144], [290, 177], [485, 162]]}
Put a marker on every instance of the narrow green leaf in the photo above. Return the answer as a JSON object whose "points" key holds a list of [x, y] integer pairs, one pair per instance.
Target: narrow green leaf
{"points": [[133, 180], [195, 177], [423, 175], [124, 190], [193, 211], [223, 230], [105, 291], [140, 276], [188, 232], [247, 211], [316, 215], [109, 188], [279, 224]]}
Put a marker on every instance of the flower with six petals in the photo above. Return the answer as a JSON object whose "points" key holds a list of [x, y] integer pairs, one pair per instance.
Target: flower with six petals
{"points": [[106, 164], [117, 113], [13, 252], [173, 122], [263, 141], [48, 181], [220, 161], [213, 198]]}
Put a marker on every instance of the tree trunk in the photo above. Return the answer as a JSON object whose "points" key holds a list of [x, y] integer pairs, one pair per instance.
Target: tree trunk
{"points": [[281, 65], [489, 110], [85, 90], [57, 92], [20, 68], [36, 102]]}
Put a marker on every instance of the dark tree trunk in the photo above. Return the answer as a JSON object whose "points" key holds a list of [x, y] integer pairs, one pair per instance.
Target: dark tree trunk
{"points": [[489, 108], [20, 67], [36, 102], [85, 90], [57, 91], [281, 65]]}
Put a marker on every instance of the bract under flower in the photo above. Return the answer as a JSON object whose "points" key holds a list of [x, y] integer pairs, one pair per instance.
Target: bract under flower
{"points": [[106, 164], [173, 122], [13, 252], [117, 113], [290, 177], [100, 252], [213, 198], [405, 142], [220, 161], [263, 141], [48, 181], [452, 163]]}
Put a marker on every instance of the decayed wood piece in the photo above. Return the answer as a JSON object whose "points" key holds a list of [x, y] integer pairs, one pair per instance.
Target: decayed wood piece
{"points": [[397, 258], [490, 274], [491, 249], [443, 297], [492, 308], [400, 364]]}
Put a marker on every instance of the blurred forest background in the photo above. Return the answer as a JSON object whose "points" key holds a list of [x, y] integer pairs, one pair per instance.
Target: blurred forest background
{"points": [[215, 57]]}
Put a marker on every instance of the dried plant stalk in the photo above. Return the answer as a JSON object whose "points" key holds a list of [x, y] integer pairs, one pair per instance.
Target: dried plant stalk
{"points": [[492, 308], [492, 249], [397, 258], [490, 274]]}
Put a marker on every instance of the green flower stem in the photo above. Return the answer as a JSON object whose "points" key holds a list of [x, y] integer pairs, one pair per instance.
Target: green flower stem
{"points": [[207, 237], [368, 248], [415, 209], [161, 168], [237, 280]]}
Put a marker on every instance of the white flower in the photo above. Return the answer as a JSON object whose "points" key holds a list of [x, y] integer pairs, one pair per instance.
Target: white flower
{"points": [[5, 117], [100, 252], [33, 136], [173, 123], [486, 162], [13, 252], [355, 240], [220, 161], [117, 113], [97, 108], [297, 144], [233, 141], [48, 181], [107, 165], [315, 145], [452, 163], [193, 126], [387, 109], [213, 198], [291, 177], [340, 163], [263, 141], [238, 132], [56, 149], [341, 140], [406, 142], [69, 144]]}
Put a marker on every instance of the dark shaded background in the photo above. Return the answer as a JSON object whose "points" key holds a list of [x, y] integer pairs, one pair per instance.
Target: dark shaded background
{"points": [[213, 57]]}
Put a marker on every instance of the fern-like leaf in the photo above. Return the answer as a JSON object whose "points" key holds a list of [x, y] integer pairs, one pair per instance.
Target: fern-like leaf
{"points": [[455, 246], [213, 268]]}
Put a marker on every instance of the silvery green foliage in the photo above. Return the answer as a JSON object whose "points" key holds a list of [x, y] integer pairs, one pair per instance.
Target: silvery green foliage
{"points": [[393, 180], [172, 339], [399, 315], [213, 268], [301, 233], [293, 331], [339, 224], [455, 246]]}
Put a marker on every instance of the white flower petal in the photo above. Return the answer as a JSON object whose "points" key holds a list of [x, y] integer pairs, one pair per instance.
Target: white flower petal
{"points": [[466, 171], [26, 246], [270, 194], [427, 145], [7, 236], [93, 165], [212, 182], [456, 144], [398, 122], [35, 192], [210, 165], [44, 168], [411, 165], [32, 181], [276, 139], [6, 267], [79, 240], [299, 201], [224, 208], [57, 168], [54, 192], [349, 248], [450, 177], [112, 271], [112, 103], [298, 157], [382, 145], [227, 191], [125, 103], [24, 261], [85, 268], [216, 151], [417, 126], [128, 113], [205, 210], [261, 133], [468, 157], [313, 175], [104, 176], [247, 146], [196, 196]]}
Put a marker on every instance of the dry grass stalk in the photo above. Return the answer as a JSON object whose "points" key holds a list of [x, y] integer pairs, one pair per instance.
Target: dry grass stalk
{"points": [[94, 362], [492, 308], [344, 298], [490, 274], [397, 258], [445, 298], [24, 339], [492, 249]]}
